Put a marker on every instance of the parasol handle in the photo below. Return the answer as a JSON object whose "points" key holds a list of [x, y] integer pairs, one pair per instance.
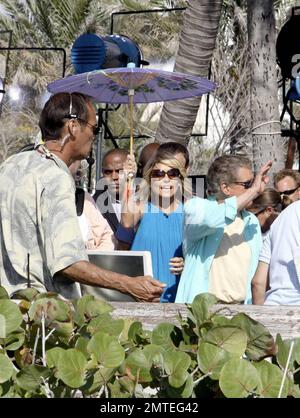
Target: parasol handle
{"points": [[131, 94]]}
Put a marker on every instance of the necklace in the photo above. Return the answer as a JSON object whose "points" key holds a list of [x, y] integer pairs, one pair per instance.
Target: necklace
{"points": [[42, 149]]}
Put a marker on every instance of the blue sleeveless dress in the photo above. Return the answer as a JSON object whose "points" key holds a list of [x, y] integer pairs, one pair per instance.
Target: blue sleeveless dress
{"points": [[162, 235]]}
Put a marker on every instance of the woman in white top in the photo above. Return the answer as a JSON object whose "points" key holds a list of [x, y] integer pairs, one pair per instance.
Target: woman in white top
{"points": [[267, 206]]}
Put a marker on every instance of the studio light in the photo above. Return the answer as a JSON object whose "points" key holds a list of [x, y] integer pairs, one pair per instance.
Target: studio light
{"points": [[93, 52], [288, 45]]}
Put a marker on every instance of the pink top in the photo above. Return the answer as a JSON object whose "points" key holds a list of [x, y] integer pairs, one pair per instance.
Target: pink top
{"points": [[95, 229]]}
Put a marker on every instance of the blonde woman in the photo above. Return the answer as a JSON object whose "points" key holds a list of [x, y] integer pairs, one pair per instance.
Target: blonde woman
{"points": [[158, 219]]}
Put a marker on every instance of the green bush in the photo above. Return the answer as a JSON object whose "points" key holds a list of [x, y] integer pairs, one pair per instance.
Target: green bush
{"points": [[53, 348]]}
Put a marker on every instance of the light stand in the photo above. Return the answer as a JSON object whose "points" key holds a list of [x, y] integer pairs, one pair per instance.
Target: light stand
{"points": [[99, 140]]}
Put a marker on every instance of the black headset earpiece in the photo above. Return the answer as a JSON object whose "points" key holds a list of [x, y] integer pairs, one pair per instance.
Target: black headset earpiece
{"points": [[90, 160]]}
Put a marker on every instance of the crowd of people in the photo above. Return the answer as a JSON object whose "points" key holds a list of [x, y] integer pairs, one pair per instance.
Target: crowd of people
{"points": [[240, 243]]}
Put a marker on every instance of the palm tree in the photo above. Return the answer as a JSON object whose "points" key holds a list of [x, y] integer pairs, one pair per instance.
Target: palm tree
{"points": [[196, 45], [264, 105]]}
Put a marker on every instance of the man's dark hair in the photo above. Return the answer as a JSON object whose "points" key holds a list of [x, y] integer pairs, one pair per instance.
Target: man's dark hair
{"points": [[115, 151], [59, 107]]}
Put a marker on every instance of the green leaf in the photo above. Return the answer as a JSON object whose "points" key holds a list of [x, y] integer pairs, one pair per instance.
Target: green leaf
{"points": [[97, 307], [219, 320], [232, 339], [10, 317], [127, 385], [6, 368], [2, 326], [64, 330], [118, 391], [30, 377], [260, 342], [97, 379], [3, 293], [71, 368], [239, 379], [9, 389], [81, 345], [140, 361], [296, 350], [127, 322], [271, 378], [165, 334], [15, 340], [153, 353], [138, 366], [136, 333], [24, 306], [53, 309], [200, 307], [26, 294], [107, 349], [88, 307], [53, 355], [176, 365], [211, 359], [283, 353], [184, 391], [106, 324], [80, 306], [294, 391]]}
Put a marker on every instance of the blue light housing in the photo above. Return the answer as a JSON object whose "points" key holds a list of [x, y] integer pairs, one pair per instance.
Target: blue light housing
{"points": [[93, 52]]}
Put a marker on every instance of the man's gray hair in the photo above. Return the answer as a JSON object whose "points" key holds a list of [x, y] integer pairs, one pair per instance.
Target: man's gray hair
{"points": [[224, 170]]}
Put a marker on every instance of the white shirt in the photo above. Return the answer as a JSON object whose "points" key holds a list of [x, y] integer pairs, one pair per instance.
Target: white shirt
{"points": [[280, 250], [117, 208]]}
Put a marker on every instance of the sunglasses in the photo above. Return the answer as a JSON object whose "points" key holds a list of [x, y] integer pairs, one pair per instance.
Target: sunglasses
{"points": [[108, 172], [259, 211], [246, 184], [95, 129], [288, 192], [173, 173]]}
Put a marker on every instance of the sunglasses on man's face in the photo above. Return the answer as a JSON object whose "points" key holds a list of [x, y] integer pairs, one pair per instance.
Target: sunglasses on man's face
{"points": [[108, 172], [288, 192], [94, 128], [246, 184], [173, 173]]}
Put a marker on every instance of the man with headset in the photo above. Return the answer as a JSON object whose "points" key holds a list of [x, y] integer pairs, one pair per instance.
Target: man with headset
{"points": [[38, 218]]}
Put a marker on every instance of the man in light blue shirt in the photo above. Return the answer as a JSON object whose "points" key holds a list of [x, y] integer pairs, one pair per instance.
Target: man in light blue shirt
{"points": [[222, 241]]}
